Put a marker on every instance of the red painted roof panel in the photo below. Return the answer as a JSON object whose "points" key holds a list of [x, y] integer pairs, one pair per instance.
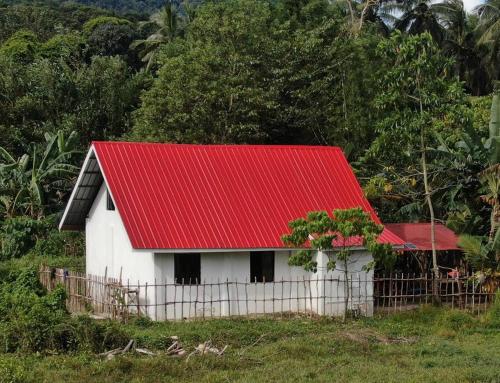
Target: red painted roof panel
{"points": [[419, 235], [172, 196]]}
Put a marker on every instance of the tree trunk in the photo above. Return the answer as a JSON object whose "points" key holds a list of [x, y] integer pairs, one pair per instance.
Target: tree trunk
{"points": [[351, 12], [428, 199], [346, 290]]}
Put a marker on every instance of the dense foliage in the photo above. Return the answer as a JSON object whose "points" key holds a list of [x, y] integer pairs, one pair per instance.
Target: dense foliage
{"points": [[243, 71], [33, 321]]}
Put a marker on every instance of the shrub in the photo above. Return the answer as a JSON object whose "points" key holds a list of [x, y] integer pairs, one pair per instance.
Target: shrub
{"points": [[455, 320], [493, 314], [33, 321], [20, 234], [11, 372], [59, 244], [98, 336]]}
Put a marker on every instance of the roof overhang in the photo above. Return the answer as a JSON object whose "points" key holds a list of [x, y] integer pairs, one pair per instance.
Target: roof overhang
{"points": [[83, 195]]}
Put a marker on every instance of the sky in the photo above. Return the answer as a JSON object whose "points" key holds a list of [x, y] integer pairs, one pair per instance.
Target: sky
{"points": [[470, 4]]}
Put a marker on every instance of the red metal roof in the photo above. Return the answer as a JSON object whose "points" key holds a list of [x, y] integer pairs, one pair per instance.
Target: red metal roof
{"points": [[172, 196], [418, 236]]}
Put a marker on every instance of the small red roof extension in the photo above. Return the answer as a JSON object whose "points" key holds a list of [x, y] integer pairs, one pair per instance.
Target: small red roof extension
{"points": [[419, 235], [173, 196]]}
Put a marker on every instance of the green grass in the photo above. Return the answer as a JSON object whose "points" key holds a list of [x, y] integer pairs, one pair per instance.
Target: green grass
{"points": [[430, 345]]}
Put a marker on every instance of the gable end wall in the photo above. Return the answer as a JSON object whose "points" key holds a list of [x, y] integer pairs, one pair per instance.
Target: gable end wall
{"points": [[108, 246]]}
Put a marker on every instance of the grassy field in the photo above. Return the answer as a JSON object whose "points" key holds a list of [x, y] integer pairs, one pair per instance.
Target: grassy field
{"points": [[431, 345]]}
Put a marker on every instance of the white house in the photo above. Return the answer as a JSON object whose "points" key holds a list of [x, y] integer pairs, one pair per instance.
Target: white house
{"points": [[204, 215]]}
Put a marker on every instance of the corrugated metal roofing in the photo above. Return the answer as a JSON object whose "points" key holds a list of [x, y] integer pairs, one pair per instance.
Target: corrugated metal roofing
{"points": [[418, 236], [83, 195], [173, 196]]}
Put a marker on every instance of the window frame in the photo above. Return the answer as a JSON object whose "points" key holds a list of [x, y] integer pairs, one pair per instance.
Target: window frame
{"points": [[263, 275], [178, 258], [110, 205]]}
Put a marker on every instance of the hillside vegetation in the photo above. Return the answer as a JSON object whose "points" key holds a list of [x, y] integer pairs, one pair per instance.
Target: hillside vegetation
{"points": [[241, 71], [406, 88]]}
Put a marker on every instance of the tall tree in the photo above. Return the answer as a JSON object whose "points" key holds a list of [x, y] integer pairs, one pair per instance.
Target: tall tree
{"points": [[460, 43], [215, 86], [165, 24], [417, 17], [488, 31], [417, 96]]}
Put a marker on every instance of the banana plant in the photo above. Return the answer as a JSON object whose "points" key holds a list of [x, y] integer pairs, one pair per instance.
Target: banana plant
{"points": [[480, 252], [485, 251], [27, 184]]}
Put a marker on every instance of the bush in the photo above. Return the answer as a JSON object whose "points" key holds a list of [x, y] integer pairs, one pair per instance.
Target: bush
{"points": [[455, 320], [33, 321], [59, 244], [20, 234], [11, 372], [98, 336], [493, 314]]}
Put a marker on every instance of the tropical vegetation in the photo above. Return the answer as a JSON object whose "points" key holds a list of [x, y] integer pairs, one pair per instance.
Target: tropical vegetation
{"points": [[408, 89], [405, 88]]}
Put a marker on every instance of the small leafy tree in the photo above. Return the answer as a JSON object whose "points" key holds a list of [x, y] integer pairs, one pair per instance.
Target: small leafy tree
{"points": [[338, 236]]}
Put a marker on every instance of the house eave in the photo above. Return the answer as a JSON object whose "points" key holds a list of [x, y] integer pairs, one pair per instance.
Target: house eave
{"points": [[83, 195], [242, 250]]}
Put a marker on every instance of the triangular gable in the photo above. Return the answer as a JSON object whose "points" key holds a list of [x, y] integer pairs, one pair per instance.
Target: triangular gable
{"points": [[83, 195]]}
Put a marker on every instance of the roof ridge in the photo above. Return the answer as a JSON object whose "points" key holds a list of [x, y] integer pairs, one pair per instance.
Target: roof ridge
{"points": [[222, 146]]}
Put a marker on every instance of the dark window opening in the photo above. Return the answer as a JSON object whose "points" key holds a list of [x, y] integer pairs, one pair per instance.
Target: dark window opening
{"points": [[187, 268], [262, 266], [109, 202]]}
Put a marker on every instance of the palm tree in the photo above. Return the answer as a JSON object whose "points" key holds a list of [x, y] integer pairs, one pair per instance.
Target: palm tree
{"points": [[460, 43], [488, 32], [480, 253], [489, 20], [165, 22], [417, 16], [375, 12]]}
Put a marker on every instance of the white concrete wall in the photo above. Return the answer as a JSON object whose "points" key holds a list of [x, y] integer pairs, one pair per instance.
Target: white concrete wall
{"points": [[216, 270], [108, 247], [294, 289], [359, 287], [108, 250]]}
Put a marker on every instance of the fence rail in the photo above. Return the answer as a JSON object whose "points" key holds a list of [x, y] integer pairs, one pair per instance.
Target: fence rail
{"points": [[399, 292], [361, 295]]}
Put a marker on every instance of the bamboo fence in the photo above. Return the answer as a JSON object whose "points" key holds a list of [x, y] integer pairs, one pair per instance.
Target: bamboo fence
{"points": [[405, 291], [110, 297]]}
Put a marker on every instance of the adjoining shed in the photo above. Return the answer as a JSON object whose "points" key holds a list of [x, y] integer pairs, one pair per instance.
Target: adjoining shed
{"points": [[199, 215], [417, 252]]}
